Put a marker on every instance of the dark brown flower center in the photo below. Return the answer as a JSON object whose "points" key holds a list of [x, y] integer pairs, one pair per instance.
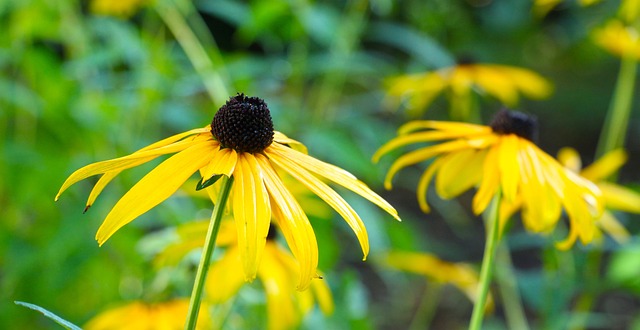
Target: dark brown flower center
{"points": [[243, 124], [514, 122]]}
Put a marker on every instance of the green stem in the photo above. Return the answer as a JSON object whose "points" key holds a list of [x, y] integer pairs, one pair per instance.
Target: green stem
{"points": [[617, 121], [511, 299], [205, 259], [493, 237], [195, 51], [428, 304]]}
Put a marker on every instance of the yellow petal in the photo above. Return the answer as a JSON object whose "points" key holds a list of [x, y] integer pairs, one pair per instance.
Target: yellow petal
{"points": [[329, 196], [570, 159], [154, 188], [460, 172], [293, 222], [276, 280], [223, 161], [508, 164], [295, 145], [490, 182], [605, 166], [334, 174], [323, 295], [609, 224], [495, 82], [528, 82], [122, 163], [464, 129], [617, 197], [423, 184], [251, 211]]}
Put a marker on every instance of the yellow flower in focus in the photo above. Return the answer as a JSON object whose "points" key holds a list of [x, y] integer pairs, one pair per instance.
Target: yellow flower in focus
{"points": [[618, 39], [616, 197], [138, 315], [503, 82], [458, 274], [120, 8], [499, 158], [241, 144]]}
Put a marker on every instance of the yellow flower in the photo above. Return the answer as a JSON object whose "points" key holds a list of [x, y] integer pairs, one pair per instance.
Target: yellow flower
{"points": [[629, 10], [240, 143], [278, 270], [499, 158], [615, 197], [618, 39], [121, 8], [458, 274], [542, 7], [500, 81], [139, 315]]}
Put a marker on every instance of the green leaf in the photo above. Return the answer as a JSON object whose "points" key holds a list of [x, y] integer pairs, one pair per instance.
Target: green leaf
{"points": [[201, 185], [66, 324]]}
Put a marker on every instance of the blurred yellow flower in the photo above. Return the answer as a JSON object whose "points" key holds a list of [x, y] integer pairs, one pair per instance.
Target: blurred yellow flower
{"points": [[542, 7], [499, 158], [240, 143], [616, 197], [278, 270], [629, 10], [458, 274], [503, 82], [138, 315], [121, 8], [618, 39]]}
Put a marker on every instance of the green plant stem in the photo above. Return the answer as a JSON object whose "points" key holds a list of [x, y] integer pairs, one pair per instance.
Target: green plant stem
{"points": [[617, 121], [205, 259], [195, 51], [511, 299], [493, 237]]}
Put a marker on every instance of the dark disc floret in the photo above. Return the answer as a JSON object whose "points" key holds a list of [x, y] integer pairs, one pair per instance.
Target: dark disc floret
{"points": [[514, 122], [243, 124]]}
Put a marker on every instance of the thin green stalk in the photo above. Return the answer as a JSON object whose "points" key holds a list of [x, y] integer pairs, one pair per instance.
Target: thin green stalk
{"points": [[205, 259], [211, 77], [617, 122], [511, 299], [493, 237]]}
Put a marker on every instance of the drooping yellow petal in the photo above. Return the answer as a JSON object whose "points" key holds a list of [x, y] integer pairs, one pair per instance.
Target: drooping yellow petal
{"points": [[617, 197], [329, 196], [459, 172], [154, 188], [528, 82], [293, 222], [251, 211], [223, 162], [294, 144], [605, 166], [332, 173], [508, 166], [122, 163], [490, 182], [423, 184], [463, 129], [496, 82], [609, 224]]}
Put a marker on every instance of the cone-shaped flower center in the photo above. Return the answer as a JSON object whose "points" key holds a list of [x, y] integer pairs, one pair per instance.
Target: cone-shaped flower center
{"points": [[243, 124], [514, 122]]}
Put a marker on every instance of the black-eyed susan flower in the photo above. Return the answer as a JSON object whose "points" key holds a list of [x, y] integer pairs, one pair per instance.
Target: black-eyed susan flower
{"points": [[616, 197], [499, 158], [502, 82], [241, 144], [618, 39], [120, 8], [461, 275], [137, 315]]}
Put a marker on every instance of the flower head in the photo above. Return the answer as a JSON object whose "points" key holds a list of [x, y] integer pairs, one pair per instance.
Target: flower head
{"points": [[503, 82], [499, 158], [240, 144], [139, 315]]}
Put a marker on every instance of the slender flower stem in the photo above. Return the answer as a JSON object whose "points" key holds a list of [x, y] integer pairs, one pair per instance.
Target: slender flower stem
{"points": [[615, 127], [506, 278], [428, 304], [205, 259], [493, 237]]}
